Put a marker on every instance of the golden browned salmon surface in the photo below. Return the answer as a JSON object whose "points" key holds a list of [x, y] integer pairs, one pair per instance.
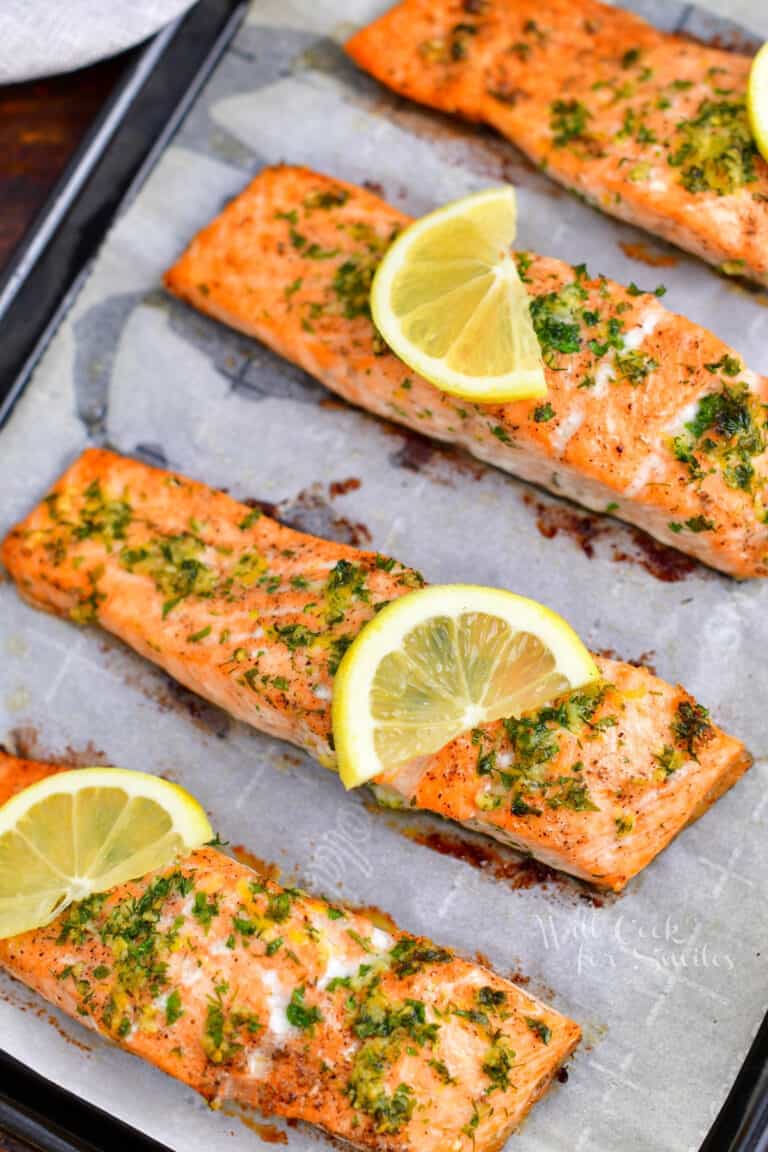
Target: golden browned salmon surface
{"points": [[646, 126], [647, 415], [269, 997], [255, 617]]}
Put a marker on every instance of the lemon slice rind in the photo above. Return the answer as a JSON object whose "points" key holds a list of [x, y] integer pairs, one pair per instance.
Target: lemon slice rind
{"points": [[757, 100], [38, 844]]}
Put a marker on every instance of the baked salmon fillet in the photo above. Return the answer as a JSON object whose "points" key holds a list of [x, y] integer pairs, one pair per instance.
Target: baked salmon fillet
{"points": [[647, 416], [271, 998], [646, 126], [255, 617]]}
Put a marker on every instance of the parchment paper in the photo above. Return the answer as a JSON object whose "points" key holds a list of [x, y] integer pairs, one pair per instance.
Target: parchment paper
{"points": [[667, 981]]}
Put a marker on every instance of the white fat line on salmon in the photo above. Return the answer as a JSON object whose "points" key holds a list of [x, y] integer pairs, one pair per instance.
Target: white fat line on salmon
{"points": [[277, 1002], [637, 335], [566, 430], [604, 376], [191, 972], [259, 1064], [653, 463]]}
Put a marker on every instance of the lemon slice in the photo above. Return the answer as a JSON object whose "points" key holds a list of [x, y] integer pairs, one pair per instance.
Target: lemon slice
{"points": [[440, 661], [85, 831], [448, 300], [757, 100]]}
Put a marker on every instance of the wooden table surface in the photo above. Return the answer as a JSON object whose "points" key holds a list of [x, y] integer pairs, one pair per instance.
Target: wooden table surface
{"points": [[41, 124]]}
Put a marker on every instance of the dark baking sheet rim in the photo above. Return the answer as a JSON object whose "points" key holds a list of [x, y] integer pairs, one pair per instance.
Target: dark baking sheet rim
{"points": [[148, 104]]}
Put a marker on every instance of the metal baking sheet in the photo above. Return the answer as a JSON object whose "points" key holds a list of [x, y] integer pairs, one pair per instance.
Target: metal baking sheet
{"points": [[667, 981]]}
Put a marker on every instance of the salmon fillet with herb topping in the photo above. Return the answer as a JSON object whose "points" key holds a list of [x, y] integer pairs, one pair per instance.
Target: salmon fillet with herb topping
{"points": [[277, 1000], [646, 126], [647, 416], [255, 617]]}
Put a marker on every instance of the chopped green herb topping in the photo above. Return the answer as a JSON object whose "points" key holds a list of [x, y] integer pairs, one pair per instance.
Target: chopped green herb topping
{"points": [[250, 519], [542, 1030], [728, 431], [326, 198], [204, 909], [346, 582], [668, 760], [527, 782], [101, 516], [568, 122], [174, 565], [410, 954], [543, 413], [173, 1008], [224, 1028], [715, 151], [498, 1065], [301, 1015], [691, 727], [635, 366]]}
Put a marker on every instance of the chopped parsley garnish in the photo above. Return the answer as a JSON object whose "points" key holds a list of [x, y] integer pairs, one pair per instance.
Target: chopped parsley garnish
{"points": [[301, 1015], [338, 647], [101, 516], [409, 955], [204, 909], [196, 637], [624, 824], [542, 1030], [568, 121], [346, 582], [715, 151], [173, 1008], [492, 998], [279, 904], [555, 317], [326, 198], [668, 760], [691, 726], [728, 431], [728, 365], [635, 366], [224, 1027], [700, 524], [527, 784], [174, 565], [498, 1065], [250, 519], [543, 412], [295, 635]]}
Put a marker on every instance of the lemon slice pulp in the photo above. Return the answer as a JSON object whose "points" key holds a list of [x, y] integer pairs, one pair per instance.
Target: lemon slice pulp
{"points": [[440, 661], [448, 300], [757, 100], [76, 833]]}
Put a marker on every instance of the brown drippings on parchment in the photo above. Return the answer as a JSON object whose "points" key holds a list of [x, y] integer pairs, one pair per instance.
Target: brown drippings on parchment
{"points": [[269, 1133], [639, 250], [25, 743], [265, 868], [42, 1013], [312, 511], [644, 660], [341, 487], [377, 916], [628, 545], [502, 864], [440, 461]]}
